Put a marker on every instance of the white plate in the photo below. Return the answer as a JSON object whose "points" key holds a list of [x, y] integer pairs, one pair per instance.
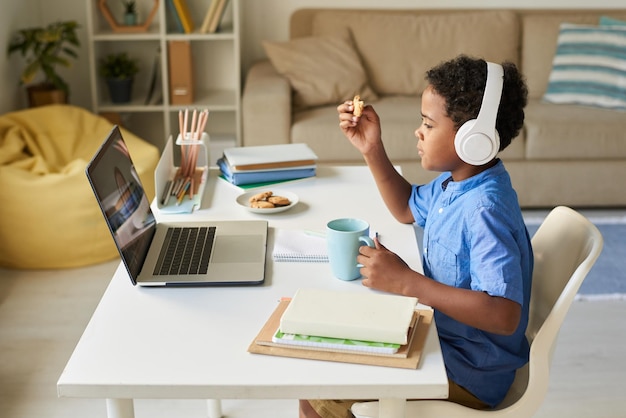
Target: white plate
{"points": [[244, 200]]}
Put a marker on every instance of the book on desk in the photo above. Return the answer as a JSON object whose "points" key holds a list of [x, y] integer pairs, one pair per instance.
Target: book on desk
{"points": [[267, 163], [371, 317]]}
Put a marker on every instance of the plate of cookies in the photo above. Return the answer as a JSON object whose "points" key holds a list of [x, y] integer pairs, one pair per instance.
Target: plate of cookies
{"points": [[268, 201]]}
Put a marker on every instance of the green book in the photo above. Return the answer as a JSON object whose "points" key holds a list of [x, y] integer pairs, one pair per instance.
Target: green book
{"points": [[334, 343]]}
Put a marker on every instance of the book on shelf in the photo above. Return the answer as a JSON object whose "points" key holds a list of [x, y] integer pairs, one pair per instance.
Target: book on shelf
{"points": [[217, 17], [350, 315], [180, 72], [178, 25], [292, 245], [208, 17], [182, 10], [264, 157]]}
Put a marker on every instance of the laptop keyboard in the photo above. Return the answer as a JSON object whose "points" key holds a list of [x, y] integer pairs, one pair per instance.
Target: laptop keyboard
{"points": [[185, 251]]}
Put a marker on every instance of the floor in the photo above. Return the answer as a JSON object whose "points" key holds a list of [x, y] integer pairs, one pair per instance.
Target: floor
{"points": [[36, 343]]}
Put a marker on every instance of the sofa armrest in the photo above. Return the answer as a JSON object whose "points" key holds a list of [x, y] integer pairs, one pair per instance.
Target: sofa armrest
{"points": [[266, 106]]}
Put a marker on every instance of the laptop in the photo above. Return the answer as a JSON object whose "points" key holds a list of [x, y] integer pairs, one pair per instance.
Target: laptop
{"points": [[171, 253]]}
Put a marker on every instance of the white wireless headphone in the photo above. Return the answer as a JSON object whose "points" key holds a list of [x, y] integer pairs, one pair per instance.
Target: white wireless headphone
{"points": [[477, 141]]}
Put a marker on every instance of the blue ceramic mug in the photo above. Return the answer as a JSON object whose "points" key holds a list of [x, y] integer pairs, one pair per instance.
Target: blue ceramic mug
{"points": [[344, 237]]}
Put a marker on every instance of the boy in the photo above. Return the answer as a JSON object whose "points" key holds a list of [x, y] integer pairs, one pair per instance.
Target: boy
{"points": [[477, 255]]}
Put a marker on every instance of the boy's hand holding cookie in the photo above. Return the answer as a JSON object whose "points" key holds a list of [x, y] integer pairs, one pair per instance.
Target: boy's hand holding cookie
{"points": [[360, 125]]}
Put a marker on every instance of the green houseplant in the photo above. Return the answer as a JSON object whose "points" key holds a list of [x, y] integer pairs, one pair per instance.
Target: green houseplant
{"points": [[119, 70], [130, 12], [46, 48]]}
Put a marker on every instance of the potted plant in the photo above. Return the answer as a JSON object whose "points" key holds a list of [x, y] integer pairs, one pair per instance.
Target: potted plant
{"points": [[45, 48], [130, 12], [119, 70]]}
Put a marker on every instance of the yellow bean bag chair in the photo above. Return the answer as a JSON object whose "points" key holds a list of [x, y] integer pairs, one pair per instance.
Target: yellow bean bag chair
{"points": [[49, 217]]}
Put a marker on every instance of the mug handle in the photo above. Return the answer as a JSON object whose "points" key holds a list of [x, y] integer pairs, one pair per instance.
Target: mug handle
{"points": [[366, 241]]}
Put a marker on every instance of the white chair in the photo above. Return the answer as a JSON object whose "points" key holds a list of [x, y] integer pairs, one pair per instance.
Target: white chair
{"points": [[566, 246]]}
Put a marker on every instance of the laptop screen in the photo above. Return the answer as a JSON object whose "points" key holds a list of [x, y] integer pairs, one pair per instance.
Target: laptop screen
{"points": [[121, 197]]}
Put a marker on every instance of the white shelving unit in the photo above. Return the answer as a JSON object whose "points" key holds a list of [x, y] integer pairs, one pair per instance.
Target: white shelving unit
{"points": [[216, 64]]}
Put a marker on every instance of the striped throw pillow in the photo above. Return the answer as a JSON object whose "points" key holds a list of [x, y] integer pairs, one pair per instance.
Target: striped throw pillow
{"points": [[609, 21], [589, 67]]}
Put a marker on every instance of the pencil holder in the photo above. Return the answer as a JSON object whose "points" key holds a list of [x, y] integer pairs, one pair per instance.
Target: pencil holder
{"points": [[193, 152], [179, 189]]}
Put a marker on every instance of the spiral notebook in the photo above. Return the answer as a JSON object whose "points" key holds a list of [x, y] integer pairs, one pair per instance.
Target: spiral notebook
{"points": [[300, 246]]}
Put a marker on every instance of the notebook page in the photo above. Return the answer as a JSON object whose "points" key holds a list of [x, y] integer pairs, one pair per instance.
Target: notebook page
{"points": [[300, 246]]}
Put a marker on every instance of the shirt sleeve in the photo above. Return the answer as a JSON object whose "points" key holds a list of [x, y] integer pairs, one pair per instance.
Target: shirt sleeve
{"points": [[422, 197], [495, 256]]}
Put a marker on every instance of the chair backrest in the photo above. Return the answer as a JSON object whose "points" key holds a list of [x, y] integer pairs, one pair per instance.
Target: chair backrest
{"points": [[565, 247]]}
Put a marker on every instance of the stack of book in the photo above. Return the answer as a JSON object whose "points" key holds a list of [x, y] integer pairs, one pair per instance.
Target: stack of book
{"points": [[364, 328], [266, 164], [365, 322]]}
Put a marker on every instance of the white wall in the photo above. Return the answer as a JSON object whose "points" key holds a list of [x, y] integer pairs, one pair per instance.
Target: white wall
{"points": [[262, 19], [15, 14]]}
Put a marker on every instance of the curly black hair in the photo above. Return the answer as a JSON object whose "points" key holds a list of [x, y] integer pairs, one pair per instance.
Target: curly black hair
{"points": [[461, 82]]}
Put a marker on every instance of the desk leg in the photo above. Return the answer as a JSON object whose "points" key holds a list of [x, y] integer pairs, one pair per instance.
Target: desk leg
{"points": [[392, 408], [120, 408], [214, 408]]}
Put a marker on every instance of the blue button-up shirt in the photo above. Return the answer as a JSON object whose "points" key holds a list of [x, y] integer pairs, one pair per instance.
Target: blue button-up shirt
{"points": [[475, 238]]}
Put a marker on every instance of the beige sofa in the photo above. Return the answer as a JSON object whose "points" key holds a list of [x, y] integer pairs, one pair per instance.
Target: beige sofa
{"points": [[566, 154]]}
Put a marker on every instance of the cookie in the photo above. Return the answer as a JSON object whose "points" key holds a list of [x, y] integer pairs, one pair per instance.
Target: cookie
{"points": [[262, 204], [358, 105], [279, 200], [260, 196]]}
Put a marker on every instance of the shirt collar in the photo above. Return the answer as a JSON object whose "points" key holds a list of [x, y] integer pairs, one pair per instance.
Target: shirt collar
{"points": [[451, 186]]}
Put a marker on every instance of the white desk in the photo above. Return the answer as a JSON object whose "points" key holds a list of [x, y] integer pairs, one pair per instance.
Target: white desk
{"points": [[191, 343]]}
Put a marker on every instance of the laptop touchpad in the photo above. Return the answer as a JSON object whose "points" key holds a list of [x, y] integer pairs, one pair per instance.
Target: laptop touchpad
{"points": [[238, 249]]}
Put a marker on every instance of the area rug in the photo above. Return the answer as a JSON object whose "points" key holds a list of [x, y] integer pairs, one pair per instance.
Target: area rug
{"points": [[607, 278]]}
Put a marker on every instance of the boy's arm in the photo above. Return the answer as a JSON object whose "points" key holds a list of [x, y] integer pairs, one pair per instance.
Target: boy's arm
{"points": [[477, 309], [364, 133], [386, 271]]}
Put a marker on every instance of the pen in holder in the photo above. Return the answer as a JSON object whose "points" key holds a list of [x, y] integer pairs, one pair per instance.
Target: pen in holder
{"points": [[188, 175], [181, 190]]}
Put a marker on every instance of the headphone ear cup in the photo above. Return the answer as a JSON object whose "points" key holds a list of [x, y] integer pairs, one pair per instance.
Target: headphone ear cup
{"points": [[475, 147]]}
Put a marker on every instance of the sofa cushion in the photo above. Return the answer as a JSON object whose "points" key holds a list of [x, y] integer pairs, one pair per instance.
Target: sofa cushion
{"points": [[397, 48], [321, 70], [516, 149], [539, 36], [609, 21], [589, 66], [565, 132]]}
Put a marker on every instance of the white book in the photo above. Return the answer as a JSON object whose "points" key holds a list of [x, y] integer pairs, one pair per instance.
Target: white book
{"points": [[269, 156], [350, 315]]}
